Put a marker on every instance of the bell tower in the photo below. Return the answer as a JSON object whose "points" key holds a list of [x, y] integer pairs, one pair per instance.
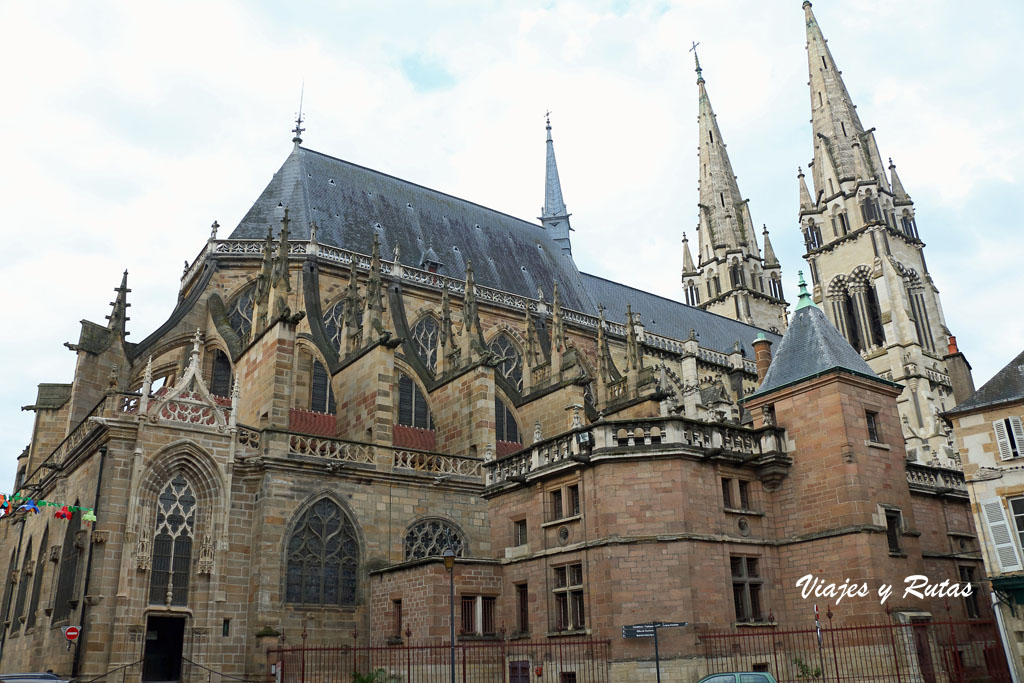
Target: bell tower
{"points": [[866, 259]]}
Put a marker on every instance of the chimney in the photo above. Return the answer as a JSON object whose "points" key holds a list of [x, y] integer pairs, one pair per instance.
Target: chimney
{"points": [[762, 355], [952, 345]]}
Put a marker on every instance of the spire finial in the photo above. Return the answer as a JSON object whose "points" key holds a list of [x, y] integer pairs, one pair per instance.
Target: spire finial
{"points": [[696, 62], [804, 299], [298, 129], [547, 123], [799, 171]]}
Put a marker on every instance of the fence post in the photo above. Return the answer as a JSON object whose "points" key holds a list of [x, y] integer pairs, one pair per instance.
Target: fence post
{"points": [[408, 654], [895, 653], [954, 653], [832, 637], [355, 639]]}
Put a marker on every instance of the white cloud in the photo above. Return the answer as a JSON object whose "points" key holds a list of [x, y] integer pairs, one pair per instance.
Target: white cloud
{"points": [[134, 126]]}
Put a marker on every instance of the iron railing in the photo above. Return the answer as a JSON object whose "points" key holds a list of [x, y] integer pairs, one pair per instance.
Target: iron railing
{"points": [[499, 661], [947, 651]]}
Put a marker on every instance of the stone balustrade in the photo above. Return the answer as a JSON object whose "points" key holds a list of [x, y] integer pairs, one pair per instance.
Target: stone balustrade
{"points": [[618, 438], [925, 479]]}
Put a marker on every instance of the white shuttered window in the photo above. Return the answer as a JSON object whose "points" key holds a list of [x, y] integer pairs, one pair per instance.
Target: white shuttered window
{"points": [[1001, 531], [1009, 437]]}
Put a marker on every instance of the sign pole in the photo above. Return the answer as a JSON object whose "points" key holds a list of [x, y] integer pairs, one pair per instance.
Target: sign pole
{"points": [[657, 659]]}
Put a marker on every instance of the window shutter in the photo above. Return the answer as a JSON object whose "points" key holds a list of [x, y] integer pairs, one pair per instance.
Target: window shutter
{"points": [[1002, 535], [1017, 432], [1003, 440]]}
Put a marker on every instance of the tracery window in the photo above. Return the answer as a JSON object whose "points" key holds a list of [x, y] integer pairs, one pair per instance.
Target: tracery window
{"points": [[37, 581], [413, 410], [424, 340], [220, 378], [430, 538], [505, 426], [510, 364], [240, 312], [67, 579], [172, 544], [334, 320], [322, 557], [321, 392], [19, 604]]}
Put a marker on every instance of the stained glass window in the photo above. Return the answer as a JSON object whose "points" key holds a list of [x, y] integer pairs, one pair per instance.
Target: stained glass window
{"points": [[505, 426], [67, 579], [334, 320], [240, 313], [322, 557], [172, 544], [424, 340], [37, 581], [510, 363], [321, 392], [430, 537], [413, 410]]}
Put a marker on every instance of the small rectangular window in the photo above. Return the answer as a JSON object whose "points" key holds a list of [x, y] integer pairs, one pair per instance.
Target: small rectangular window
{"points": [[969, 578], [397, 609], [727, 492], [744, 494], [893, 528], [522, 608], [570, 611], [468, 613], [519, 532], [487, 610], [746, 588], [574, 499], [225, 628], [556, 504], [872, 421]]}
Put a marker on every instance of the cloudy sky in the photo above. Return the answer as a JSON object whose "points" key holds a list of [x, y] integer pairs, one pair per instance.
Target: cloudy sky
{"points": [[129, 127]]}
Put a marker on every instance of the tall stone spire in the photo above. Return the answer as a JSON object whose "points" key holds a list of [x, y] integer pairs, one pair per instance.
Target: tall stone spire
{"points": [[554, 216], [730, 277], [852, 152], [866, 259], [725, 219]]}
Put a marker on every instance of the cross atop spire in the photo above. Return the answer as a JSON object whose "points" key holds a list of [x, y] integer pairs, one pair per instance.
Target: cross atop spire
{"points": [[298, 129], [696, 62]]}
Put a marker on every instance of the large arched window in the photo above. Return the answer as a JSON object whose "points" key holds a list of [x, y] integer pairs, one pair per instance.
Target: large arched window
{"points": [[510, 363], [424, 336], [413, 410], [37, 581], [172, 544], [505, 427], [220, 377], [240, 312], [430, 538], [67, 578], [321, 392], [23, 581], [322, 557]]}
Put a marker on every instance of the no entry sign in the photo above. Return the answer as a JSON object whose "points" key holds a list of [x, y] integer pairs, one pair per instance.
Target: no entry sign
{"points": [[71, 632]]}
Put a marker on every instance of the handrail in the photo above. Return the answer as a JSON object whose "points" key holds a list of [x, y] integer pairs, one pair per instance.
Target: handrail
{"points": [[124, 666]]}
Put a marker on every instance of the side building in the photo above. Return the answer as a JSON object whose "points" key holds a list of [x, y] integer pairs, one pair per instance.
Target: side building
{"points": [[991, 442]]}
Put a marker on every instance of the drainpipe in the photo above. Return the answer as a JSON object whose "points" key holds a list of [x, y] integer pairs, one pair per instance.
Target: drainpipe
{"points": [[102, 450], [1002, 636], [17, 557]]}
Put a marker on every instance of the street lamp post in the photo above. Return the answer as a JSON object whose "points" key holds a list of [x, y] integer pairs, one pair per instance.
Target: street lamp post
{"points": [[449, 565]]}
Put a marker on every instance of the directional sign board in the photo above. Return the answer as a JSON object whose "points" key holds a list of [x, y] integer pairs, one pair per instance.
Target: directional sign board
{"points": [[647, 630], [71, 633]]}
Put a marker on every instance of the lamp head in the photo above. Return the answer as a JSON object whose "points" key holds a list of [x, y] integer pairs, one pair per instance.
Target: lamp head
{"points": [[449, 558]]}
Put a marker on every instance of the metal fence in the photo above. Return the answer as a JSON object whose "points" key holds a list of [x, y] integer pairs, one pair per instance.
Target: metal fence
{"points": [[919, 652], [562, 660]]}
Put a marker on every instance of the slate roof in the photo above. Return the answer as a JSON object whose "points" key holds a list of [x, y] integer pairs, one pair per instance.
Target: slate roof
{"points": [[811, 346], [673, 319], [1005, 387], [350, 203]]}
